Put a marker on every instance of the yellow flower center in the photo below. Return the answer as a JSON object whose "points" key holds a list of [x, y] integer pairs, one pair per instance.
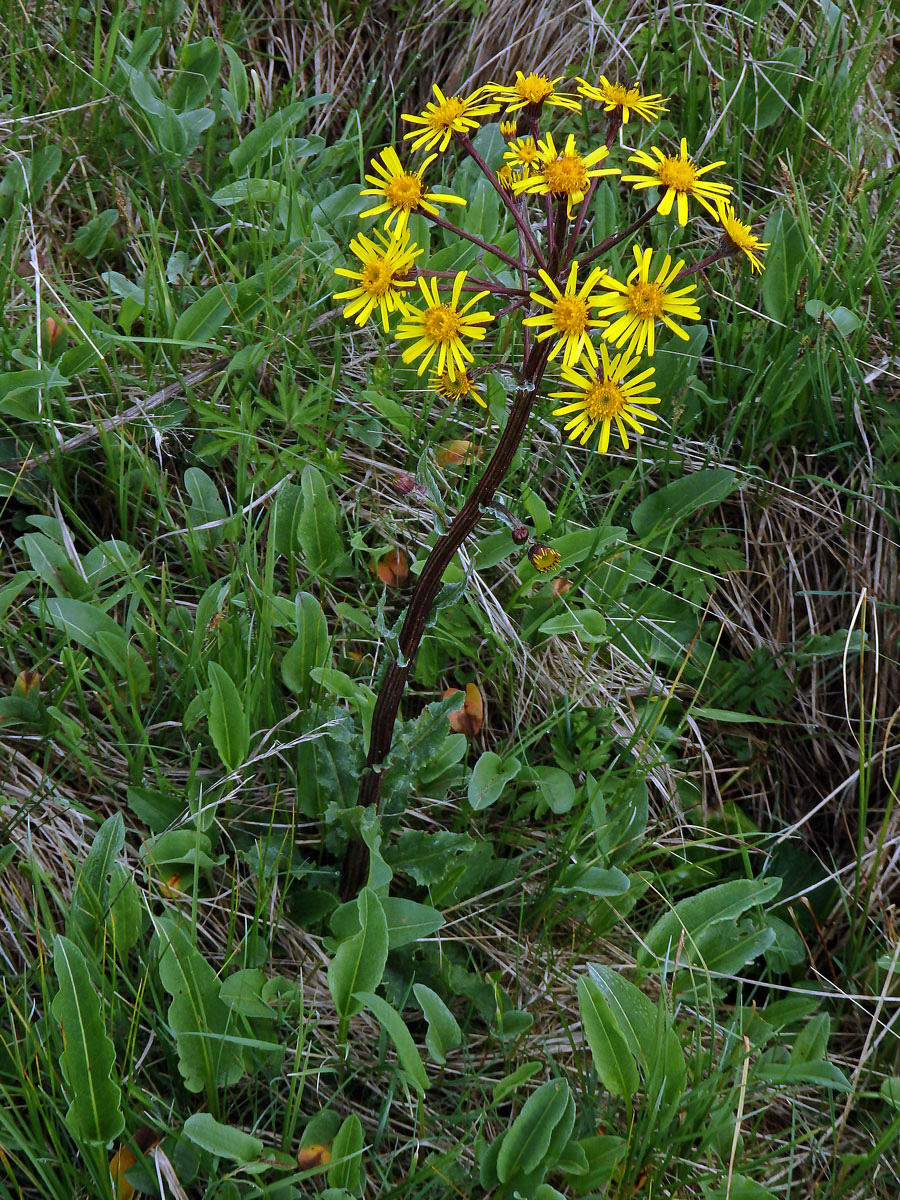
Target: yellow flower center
{"points": [[677, 173], [567, 175], [441, 324], [571, 315], [442, 116], [454, 389], [526, 152], [740, 234], [604, 401], [616, 94], [645, 300], [404, 191], [377, 277], [534, 88]]}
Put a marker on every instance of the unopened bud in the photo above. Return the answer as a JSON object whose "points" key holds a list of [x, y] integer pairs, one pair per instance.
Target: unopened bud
{"points": [[520, 535], [404, 483]]}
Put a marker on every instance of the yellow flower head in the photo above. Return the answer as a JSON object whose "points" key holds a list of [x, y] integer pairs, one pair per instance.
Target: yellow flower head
{"points": [[604, 396], [457, 388], [403, 192], [532, 90], [522, 153], [638, 304], [508, 130], [543, 558], [565, 173], [451, 114], [627, 100], [681, 178], [740, 238], [439, 328], [507, 177], [570, 317], [383, 277]]}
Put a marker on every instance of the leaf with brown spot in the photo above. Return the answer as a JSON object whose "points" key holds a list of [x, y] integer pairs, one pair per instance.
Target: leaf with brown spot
{"points": [[452, 454], [392, 568], [560, 587], [470, 718], [313, 1155], [27, 685]]}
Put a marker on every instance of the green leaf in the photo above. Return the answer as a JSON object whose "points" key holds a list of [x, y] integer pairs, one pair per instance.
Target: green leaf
{"points": [[613, 1061], [91, 238], [697, 915], [395, 1027], [271, 133], [407, 921], [823, 1074], [88, 1057], [890, 1091], [222, 1140], [90, 892], [125, 916], [428, 857], [206, 507], [344, 1169], [317, 528], [358, 964], [528, 1138], [197, 1017], [202, 319], [490, 776], [229, 725], [682, 498], [443, 1031], [310, 650], [510, 1083], [785, 260], [250, 191]]}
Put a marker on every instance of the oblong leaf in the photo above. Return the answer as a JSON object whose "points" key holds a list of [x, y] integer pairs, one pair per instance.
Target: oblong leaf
{"points": [[612, 1058], [88, 1056], [359, 962], [528, 1138], [444, 1032], [395, 1027], [222, 1140]]}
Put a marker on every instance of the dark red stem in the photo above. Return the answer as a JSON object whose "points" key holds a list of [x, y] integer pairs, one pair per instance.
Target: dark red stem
{"points": [[355, 867]]}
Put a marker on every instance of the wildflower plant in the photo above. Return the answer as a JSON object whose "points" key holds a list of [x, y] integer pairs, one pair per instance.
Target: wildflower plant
{"points": [[573, 316]]}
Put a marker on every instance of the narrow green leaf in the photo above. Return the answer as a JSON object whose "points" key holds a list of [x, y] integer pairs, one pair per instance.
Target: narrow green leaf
{"points": [[90, 893], [696, 915], [395, 1027], [346, 1156], [317, 527], [613, 1061], [229, 725], [266, 136], [528, 1138], [197, 1017], [358, 964], [443, 1031], [309, 651], [205, 317], [88, 1057], [682, 498], [222, 1140]]}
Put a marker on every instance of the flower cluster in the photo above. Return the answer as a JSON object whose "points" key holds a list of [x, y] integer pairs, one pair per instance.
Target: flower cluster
{"points": [[546, 184]]}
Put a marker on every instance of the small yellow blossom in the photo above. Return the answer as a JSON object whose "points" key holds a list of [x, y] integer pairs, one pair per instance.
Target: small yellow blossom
{"points": [[740, 238], [403, 192], [508, 130], [543, 558], [383, 277], [451, 114], [532, 90], [681, 178], [570, 317], [522, 152], [605, 396], [565, 173], [439, 328], [637, 305], [457, 388], [627, 100]]}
